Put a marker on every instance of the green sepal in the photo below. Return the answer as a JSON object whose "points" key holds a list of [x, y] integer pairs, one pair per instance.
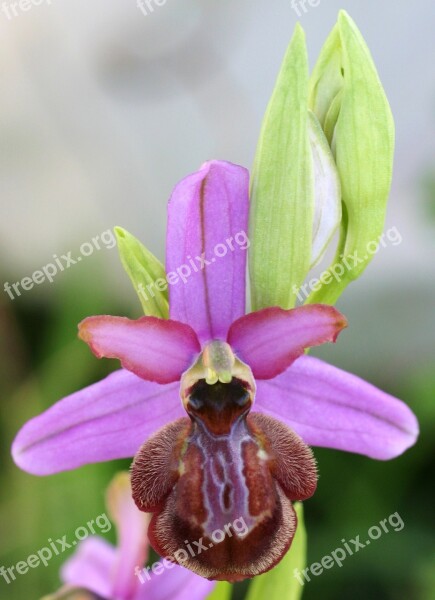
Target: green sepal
{"points": [[144, 269], [280, 583], [282, 193], [350, 103]]}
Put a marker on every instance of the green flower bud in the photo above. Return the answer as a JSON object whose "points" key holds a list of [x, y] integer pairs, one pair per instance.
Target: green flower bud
{"points": [[349, 101]]}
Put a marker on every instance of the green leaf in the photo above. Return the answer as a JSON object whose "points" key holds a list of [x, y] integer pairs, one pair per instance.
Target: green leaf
{"points": [[350, 103], [280, 583], [222, 591], [146, 273], [282, 191]]}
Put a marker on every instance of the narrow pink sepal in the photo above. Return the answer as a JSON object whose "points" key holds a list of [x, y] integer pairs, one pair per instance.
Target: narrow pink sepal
{"points": [[332, 408], [104, 421]]}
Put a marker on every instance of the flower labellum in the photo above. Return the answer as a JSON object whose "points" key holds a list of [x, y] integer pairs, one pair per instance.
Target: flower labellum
{"points": [[224, 477]]}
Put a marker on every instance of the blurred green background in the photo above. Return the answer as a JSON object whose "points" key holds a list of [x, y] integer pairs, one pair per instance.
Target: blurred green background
{"points": [[102, 111]]}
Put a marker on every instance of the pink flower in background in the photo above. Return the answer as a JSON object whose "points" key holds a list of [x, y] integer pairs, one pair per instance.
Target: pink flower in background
{"points": [[99, 570]]}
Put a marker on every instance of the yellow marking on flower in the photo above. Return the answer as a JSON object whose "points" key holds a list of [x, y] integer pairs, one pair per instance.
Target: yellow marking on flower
{"points": [[216, 363]]}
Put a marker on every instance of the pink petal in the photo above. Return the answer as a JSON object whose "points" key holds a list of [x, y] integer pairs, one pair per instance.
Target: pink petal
{"points": [[331, 408], [107, 420], [91, 566], [133, 544], [154, 349], [208, 217], [269, 340], [174, 583]]}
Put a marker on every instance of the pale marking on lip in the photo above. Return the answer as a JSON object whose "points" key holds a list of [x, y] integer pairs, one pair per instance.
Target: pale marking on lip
{"points": [[262, 454], [229, 457]]}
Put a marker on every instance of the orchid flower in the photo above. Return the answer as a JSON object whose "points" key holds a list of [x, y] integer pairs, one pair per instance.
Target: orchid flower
{"points": [[209, 461], [99, 570]]}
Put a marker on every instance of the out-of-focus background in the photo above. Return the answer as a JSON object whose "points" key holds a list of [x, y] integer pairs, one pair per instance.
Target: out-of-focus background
{"points": [[103, 108]]}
